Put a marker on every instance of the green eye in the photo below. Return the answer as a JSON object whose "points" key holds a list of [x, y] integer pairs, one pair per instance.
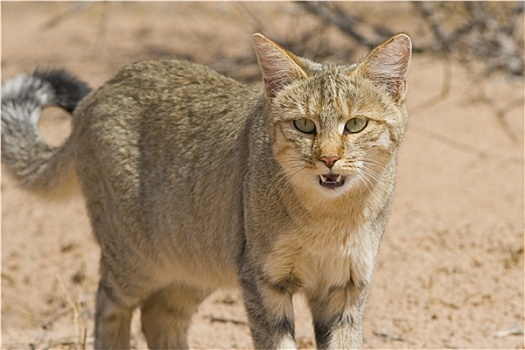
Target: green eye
{"points": [[304, 125], [355, 125]]}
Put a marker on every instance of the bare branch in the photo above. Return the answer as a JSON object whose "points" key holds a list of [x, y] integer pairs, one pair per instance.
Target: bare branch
{"points": [[351, 25]]}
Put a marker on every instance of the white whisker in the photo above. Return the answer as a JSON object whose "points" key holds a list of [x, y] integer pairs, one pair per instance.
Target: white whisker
{"points": [[294, 167]]}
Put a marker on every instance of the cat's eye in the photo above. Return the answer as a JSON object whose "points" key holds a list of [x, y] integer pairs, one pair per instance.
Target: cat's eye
{"points": [[355, 125], [304, 125]]}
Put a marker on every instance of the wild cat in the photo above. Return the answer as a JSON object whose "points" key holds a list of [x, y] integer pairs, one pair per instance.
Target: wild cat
{"points": [[194, 181]]}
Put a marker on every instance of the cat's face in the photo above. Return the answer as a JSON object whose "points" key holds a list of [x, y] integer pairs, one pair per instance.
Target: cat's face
{"points": [[335, 131], [335, 127]]}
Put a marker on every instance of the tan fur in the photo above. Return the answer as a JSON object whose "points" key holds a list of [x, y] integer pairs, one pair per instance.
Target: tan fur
{"points": [[194, 181]]}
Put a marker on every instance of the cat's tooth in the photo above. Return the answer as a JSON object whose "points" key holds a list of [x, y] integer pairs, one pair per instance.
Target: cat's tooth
{"points": [[339, 177], [323, 178]]}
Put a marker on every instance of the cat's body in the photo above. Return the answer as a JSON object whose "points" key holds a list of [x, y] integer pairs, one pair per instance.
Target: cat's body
{"points": [[194, 181]]}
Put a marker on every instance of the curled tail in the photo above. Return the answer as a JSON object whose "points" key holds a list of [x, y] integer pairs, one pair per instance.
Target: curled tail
{"points": [[35, 164]]}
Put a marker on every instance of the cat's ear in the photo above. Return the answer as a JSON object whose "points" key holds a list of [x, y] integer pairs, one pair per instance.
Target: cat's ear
{"points": [[387, 65], [279, 67]]}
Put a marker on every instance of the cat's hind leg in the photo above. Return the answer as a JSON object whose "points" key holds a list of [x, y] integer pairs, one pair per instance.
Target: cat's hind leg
{"points": [[166, 316], [112, 318]]}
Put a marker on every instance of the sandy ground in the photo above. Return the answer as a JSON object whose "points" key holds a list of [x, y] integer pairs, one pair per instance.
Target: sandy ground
{"points": [[450, 270]]}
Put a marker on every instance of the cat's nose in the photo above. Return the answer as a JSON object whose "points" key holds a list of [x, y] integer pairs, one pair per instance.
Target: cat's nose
{"points": [[329, 161]]}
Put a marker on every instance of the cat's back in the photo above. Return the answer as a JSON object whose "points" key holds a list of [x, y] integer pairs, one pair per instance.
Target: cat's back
{"points": [[171, 104], [163, 85], [172, 118], [173, 73]]}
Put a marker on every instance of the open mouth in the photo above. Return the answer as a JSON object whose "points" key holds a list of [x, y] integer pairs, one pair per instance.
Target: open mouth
{"points": [[331, 180]]}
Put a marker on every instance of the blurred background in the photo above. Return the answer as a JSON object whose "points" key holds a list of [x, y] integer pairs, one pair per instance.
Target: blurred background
{"points": [[450, 270]]}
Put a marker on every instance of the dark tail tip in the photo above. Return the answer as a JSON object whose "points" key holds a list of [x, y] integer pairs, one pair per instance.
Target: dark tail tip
{"points": [[68, 89]]}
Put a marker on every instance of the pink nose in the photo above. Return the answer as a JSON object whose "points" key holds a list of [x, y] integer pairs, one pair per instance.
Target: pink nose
{"points": [[329, 161]]}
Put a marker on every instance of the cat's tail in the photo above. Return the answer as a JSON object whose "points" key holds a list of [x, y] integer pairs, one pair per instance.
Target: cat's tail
{"points": [[36, 165]]}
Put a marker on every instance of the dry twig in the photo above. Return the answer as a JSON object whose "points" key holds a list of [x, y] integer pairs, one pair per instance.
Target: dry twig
{"points": [[477, 31], [363, 32]]}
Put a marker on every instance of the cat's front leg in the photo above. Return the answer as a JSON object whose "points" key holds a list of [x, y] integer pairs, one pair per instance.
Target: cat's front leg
{"points": [[337, 316], [269, 308]]}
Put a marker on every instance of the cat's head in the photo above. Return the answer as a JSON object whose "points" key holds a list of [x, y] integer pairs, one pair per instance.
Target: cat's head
{"points": [[335, 127]]}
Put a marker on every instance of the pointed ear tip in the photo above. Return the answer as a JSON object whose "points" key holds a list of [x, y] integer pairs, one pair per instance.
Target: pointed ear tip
{"points": [[259, 37], [403, 37]]}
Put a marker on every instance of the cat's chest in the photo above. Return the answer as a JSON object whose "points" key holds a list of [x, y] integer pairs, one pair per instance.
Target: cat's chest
{"points": [[322, 254]]}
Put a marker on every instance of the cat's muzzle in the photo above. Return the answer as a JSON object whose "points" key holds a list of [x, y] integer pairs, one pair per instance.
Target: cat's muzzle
{"points": [[332, 180]]}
